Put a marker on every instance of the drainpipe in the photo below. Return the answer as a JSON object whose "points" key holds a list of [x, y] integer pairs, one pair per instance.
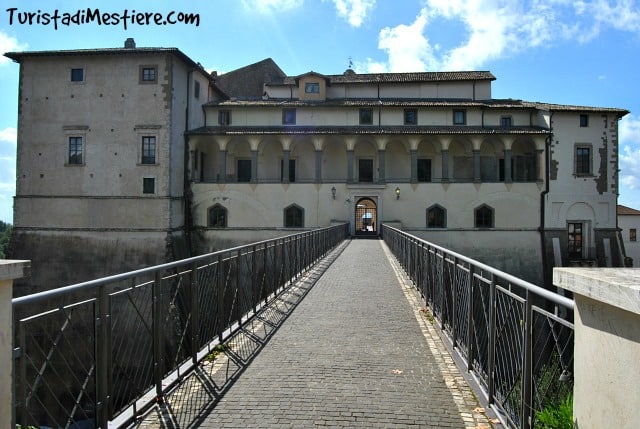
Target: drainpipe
{"points": [[543, 195], [186, 193]]}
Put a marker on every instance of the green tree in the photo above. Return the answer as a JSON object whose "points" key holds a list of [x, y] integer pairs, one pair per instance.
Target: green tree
{"points": [[5, 235]]}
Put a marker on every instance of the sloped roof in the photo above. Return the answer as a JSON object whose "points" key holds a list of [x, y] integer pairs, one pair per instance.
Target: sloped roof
{"points": [[247, 82], [352, 77], [19, 56], [626, 211], [364, 130]]}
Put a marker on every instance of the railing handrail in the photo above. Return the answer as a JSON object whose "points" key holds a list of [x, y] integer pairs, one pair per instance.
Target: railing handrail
{"points": [[508, 331], [143, 328], [52, 293], [538, 290]]}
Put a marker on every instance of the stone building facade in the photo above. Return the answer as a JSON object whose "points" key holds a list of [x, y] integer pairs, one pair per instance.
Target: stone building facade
{"points": [[254, 153]]}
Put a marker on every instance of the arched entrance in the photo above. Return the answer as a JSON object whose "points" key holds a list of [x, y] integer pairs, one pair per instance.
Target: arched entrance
{"points": [[366, 221]]}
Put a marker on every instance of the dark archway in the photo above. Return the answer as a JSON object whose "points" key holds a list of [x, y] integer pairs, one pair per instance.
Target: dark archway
{"points": [[366, 221]]}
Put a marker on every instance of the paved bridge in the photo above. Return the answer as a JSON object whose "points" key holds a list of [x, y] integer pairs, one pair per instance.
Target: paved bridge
{"points": [[306, 330], [346, 346]]}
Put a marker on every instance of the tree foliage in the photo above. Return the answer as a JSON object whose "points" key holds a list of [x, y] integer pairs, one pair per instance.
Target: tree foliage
{"points": [[5, 235]]}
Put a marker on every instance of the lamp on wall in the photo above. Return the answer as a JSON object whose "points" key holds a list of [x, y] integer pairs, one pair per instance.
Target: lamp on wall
{"points": [[333, 192], [397, 193]]}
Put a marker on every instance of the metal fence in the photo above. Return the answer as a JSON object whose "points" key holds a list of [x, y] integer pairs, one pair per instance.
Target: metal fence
{"points": [[88, 353], [515, 338]]}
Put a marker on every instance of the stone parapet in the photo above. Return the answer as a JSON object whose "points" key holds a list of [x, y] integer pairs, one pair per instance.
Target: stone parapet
{"points": [[607, 345]]}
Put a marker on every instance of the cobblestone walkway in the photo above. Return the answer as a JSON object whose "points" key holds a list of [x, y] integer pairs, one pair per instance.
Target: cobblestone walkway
{"points": [[355, 352]]}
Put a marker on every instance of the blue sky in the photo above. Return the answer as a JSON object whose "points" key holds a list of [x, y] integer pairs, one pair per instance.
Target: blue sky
{"points": [[556, 51]]}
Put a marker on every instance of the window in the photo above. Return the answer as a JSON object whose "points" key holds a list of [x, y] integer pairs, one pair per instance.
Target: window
{"points": [[483, 217], [365, 170], [224, 117], [244, 170], [584, 120], [410, 116], [424, 170], [217, 216], [436, 217], [148, 150], [505, 122], [294, 217], [632, 234], [575, 240], [196, 89], [289, 117], [148, 185], [292, 170], [366, 116], [583, 161], [75, 150], [312, 88], [77, 75], [148, 74], [459, 117]]}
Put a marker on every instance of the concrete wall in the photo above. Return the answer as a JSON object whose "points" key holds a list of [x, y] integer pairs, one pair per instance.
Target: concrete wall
{"points": [[607, 345]]}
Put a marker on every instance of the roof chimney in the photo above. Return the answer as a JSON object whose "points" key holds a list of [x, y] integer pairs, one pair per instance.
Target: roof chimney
{"points": [[130, 43]]}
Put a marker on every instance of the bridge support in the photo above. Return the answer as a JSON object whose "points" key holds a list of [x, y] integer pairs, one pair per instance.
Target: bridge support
{"points": [[607, 345], [9, 270]]}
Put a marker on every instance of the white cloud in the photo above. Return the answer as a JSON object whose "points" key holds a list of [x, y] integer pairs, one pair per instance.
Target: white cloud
{"points": [[9, 135], [354, 11], [498, 28], [9, 44], [629, 157], [269, 6]]}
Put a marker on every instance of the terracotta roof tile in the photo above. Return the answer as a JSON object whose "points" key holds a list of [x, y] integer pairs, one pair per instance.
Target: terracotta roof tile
{"points": [[626, 211]]}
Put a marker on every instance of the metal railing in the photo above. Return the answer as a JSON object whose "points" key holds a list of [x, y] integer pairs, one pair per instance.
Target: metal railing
{"points": [[89, 353], [515, 338]]}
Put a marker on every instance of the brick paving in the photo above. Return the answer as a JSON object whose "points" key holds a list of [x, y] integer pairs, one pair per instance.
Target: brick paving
{"points": [[354, 350]]}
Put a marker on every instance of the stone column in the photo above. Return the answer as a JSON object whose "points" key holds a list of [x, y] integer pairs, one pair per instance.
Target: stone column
{"points": [[508, 175], [381, 166], [254, 166], [318, 166], [414, 165], [222, 174], [477, 177], [445, 165], [350, 160], [9, 270], [285, 165]]}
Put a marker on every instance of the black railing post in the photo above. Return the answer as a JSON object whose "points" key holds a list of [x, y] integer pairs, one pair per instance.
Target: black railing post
{"points": [[491, 350], [103, 358], [454, 304], [21, 393], [527, 405], [470, 324], [158, 337], [195, 313]]}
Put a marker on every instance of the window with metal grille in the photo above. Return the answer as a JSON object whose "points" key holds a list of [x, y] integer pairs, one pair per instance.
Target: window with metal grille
{"points": [[483, 217], [294, 216], [436, 217], [217, 216]]}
